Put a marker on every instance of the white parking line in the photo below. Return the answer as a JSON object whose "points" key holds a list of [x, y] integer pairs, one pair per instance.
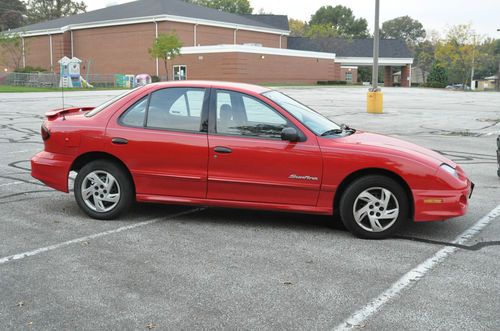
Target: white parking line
{"points": [[37, 251], [11, 183], [409, 279]]}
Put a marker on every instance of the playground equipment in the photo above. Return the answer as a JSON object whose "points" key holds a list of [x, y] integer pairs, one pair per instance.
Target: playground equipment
{"points": [[70, 73], [142, 79]]}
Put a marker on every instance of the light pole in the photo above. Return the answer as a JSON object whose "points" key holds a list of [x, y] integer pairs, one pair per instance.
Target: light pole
{"points": [[498, 73], [375, 97]]}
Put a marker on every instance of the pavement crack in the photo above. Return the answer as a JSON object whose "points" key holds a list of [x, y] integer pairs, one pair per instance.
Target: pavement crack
{"points": [[474, 247]]}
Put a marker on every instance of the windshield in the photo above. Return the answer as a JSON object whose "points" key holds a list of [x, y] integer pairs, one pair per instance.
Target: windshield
{"points": [[109, 102], [312, 120]]}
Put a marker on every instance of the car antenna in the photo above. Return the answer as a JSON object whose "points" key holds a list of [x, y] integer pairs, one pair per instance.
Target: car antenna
{"points": [[62, 96]]}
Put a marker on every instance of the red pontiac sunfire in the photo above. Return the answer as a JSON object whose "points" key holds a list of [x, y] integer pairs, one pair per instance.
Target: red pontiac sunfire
{"points": [[243, 146]]}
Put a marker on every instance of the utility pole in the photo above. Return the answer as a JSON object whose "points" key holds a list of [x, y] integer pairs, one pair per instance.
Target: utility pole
{"points": [[473, 63], [498, 73], [375, 97]]}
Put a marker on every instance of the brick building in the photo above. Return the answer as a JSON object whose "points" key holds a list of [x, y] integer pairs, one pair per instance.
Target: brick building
{"points": [[216, 45]]}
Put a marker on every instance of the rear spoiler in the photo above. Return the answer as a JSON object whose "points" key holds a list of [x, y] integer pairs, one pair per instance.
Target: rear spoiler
{"points": [[61, 111]]}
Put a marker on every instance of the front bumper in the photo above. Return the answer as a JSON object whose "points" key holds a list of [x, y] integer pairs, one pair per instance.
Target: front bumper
{"points": [[52, 169], [438, 205]]}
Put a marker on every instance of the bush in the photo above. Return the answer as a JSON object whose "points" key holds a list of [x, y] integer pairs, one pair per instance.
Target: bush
{"points": [[155, 79], [30, 69], [332, 82], [438, 77]]}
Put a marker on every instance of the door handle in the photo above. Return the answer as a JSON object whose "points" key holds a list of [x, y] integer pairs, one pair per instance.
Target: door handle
{"points": [[222, 149], [119, 141]]}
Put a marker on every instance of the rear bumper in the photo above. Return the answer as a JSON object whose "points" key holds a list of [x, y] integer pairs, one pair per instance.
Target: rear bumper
{"points": [[52, 169], [438, 205]]}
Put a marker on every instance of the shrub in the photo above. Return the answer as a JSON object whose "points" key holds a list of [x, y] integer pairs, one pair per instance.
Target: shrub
{"points": [[155, 79], [30, 69]]}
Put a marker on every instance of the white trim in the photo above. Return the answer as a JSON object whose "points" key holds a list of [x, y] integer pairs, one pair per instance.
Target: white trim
{"points": [[254, 50], [368, 61], [149, 19], [157, 60], [72, 48], [349, 67], [51, 55], [234, 35], [24, 53], [195, 36]]}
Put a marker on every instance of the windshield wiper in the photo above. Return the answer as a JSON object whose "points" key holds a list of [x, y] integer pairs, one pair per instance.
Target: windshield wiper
{"points": [[343, 128], [333, 131]]}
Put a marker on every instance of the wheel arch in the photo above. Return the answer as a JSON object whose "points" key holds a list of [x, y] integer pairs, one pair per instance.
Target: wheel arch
{"points": [[85, 158], [374, 171]]}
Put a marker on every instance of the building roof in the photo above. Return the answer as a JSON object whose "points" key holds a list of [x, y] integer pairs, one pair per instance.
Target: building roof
{"points": [[276, 21], [152, 8], [389, 48]]}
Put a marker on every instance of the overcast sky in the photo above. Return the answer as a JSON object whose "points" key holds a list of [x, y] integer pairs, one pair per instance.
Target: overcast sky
{"points": [[484, 15]]}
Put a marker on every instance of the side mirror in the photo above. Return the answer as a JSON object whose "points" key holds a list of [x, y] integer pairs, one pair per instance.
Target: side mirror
{"points": [[290, 134]]}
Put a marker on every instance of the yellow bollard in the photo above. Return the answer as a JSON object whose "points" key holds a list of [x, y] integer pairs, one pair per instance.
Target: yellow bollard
{"points": [[375, 102]]}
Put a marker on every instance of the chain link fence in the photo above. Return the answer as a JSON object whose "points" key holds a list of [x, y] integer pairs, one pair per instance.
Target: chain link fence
{"points": [[51, 80]]}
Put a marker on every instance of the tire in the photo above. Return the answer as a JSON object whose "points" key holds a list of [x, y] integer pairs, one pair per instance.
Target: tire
{"points": [[374, 207], [103, 190]]}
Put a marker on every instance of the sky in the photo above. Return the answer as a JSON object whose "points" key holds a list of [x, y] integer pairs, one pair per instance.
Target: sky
{"points": [[438, 15]]}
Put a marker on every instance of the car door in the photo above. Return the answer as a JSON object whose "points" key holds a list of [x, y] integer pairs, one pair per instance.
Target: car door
{"points": [[248, 161], [162, 141]]}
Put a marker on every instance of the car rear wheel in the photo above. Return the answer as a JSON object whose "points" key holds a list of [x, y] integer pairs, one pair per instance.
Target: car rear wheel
{"points": [[103, 190], [374, 207]]}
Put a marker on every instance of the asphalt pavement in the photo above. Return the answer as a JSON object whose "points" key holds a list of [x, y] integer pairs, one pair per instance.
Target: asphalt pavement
{"points": [[174, 267]]}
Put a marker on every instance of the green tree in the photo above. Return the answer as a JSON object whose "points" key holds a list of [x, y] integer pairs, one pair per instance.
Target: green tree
{"points": [[166, 47], [456, 52], [322, 31], [297, 27], [230, 6], [44, 10], [438, 76], [11, 14], [341, 20], [424, 56], [11, 50], [487, 58], [404, 27]]}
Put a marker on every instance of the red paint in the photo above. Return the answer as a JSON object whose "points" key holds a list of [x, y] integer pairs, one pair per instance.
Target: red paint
{"points": [[183, 168]]}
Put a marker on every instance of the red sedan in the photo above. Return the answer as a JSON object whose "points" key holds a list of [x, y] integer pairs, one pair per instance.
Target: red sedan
{"points": [[242, 146]]}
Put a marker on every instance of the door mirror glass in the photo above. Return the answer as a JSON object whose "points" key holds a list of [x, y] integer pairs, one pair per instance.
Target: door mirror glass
{"points": [[290, 134]]}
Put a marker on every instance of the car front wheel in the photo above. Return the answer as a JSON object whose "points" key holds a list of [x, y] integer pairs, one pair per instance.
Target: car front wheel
{"points": [[103, 190], [374, 207]]}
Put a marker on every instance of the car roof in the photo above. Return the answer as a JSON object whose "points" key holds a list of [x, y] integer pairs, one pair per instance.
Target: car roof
{"points": [[215, 84]]}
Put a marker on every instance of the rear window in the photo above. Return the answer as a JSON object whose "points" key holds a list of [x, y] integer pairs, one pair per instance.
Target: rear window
{"points": [[109, 102]]}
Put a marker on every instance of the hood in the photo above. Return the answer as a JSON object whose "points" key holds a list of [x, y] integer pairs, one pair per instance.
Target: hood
{"points": [[389, 145]]}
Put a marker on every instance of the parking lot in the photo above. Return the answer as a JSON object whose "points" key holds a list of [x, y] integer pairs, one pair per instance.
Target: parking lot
{"points": [[174, 267]]}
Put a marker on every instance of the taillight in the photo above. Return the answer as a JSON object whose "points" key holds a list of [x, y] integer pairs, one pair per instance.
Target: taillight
{"points": [[45, 132]]}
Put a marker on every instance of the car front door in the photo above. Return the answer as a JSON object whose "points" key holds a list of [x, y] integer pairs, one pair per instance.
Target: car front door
{"points": [[248, 161], [162, 141]]}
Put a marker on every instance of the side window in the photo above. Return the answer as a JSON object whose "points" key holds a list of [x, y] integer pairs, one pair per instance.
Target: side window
{"points": [[243, 115], [134, 116], [176, 109]]}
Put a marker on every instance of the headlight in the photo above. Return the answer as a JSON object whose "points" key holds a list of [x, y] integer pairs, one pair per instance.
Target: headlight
{"points": [[449, 169]]}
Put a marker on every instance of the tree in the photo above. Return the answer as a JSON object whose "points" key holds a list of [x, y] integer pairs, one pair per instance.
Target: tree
{"points": [[404, 27], [322, 31], [166, 47], [11, 50], [11, 14], [456, 52], [437, 77], [341, 20], [424, 56], [297, 27], [43, 10], [230, 6]]}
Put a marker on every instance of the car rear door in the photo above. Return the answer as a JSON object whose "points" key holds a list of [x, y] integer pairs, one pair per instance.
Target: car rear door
{"points": [[162, 138], [248, 161]]}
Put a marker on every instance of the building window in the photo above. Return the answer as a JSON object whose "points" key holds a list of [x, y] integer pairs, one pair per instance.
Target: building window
{"points": [[348, 76], [180, 72]]}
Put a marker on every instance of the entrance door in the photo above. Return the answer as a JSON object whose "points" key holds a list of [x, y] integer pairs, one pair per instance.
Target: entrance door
{"points": [[248, 161]]}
